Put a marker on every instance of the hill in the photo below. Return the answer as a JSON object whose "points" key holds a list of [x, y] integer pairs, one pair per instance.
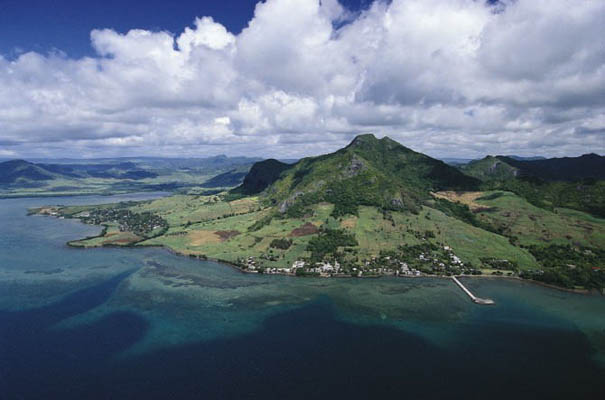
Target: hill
{"points": [[490, 168], [120, 175], [231, 178], [369, 171], [261, 175], [587, 166], [572, 182], [21, 171]]}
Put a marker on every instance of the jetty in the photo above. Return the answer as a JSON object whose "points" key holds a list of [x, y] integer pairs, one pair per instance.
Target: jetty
{"points": [[474, 298]]}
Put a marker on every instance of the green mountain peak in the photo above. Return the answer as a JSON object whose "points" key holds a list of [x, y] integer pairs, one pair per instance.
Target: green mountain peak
{"points": [[369, 171]]}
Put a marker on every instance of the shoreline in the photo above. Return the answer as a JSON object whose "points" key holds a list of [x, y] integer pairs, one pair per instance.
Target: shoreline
{"points": [[109, 194], [232, 265], [534, 282]]}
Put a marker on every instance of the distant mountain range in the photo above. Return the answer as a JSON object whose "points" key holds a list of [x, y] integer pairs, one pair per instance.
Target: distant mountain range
{"points": [[119, 175], [21, 171], [369, 171]]}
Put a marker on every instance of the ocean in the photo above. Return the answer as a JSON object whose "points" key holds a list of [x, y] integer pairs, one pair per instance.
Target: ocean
{"points": [[144, 323]]}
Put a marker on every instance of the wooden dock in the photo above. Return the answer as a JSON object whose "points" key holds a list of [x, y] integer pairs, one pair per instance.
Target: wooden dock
{"points": [[474, 298]]}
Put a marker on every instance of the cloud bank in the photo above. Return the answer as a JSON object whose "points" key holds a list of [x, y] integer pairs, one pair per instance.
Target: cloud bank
{"points": [[449, 78]]}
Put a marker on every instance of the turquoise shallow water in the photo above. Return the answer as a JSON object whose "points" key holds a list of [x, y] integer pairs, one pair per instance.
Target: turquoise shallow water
{"points": [[144, 323]]}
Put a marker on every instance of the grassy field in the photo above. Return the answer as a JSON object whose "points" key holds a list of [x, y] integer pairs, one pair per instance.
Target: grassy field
{"points": [[209, 226], [112, 237], [530, 225], [470, 243], [185, 209], [227, 237], [206, 225]]}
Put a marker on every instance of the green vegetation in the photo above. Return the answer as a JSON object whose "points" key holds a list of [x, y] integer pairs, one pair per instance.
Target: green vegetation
{"points": [[261, 175], [456, 210], [20, 178], [327, 243], [369, 172], [569, 266], [141, 224], [283, 244], [587, 195], [573, 182], [490, 168], [373, 208]]}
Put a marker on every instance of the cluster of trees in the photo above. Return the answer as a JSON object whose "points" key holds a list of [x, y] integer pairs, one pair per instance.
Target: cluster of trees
{"points": [[300, 207], [369, 190], [258, 225], [282, 244], [500, 264], [463, 213], [456, 210], [587, 195], [569, 266], [327, 243]]}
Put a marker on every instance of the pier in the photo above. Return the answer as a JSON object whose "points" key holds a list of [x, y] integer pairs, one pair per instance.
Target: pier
{"points": [[474, 298]]}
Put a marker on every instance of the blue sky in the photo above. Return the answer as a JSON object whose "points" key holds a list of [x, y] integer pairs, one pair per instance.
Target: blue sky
{"points": [[65, 25], [292, 78]]}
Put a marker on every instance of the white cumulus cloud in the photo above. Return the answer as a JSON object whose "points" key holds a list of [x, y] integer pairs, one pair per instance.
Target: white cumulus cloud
{"points": [[451, 78]]}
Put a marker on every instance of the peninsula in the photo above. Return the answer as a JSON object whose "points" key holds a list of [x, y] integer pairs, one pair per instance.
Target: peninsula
{"points": [[370, 209]]}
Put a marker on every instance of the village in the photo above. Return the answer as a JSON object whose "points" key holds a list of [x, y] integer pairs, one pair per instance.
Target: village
{"points": [[142, 224], [139, 223], [411, 263]]}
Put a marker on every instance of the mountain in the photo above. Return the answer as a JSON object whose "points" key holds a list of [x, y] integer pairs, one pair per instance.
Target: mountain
{"points": [[121, 170], [369, 171], [588, 166], [231, 178], [21, 171], [571, 182], [261, 175], [107, 175], [157, 163], [490, 168], [531, 158], [456, 161]]}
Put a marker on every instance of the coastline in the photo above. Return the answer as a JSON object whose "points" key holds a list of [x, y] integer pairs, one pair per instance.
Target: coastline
{"points": [[72, 244], [230, 264]]}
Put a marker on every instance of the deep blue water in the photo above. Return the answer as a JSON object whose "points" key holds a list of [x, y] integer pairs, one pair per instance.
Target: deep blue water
{"points": [[69, 325]]}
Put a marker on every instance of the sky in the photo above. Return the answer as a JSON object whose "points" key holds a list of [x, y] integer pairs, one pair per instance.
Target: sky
{"points": [[293, 78]]}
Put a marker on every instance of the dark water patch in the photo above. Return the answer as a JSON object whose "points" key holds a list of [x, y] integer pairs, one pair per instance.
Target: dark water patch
{"points": [[44, 272], [100, 267], [36, 360], [308, 353], [72, 304]]}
